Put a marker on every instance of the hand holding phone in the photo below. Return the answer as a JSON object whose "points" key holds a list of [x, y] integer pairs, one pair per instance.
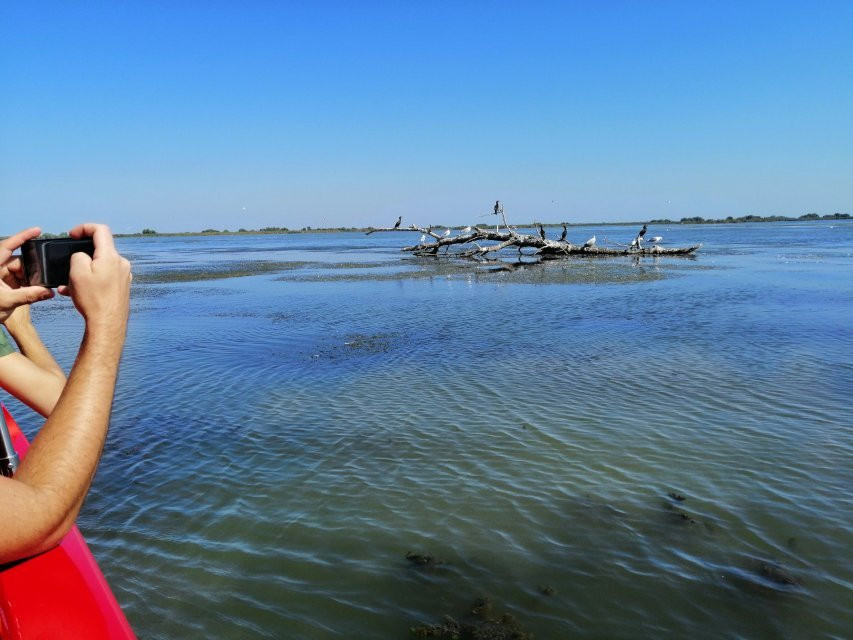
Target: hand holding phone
{"points": [[47, 262], [12, 293]]}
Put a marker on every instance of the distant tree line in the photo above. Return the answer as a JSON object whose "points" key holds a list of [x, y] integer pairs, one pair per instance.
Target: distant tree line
{"points": [[752, 218]]}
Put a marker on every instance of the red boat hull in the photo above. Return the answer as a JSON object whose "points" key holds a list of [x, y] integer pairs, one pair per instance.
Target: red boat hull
{"points": [[60, 593]]}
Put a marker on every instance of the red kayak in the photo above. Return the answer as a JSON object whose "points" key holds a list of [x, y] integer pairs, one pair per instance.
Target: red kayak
{"points": [[60, 593]]}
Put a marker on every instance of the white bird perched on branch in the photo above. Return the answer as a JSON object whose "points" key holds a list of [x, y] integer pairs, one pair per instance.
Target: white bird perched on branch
{"points": [[655, 239], [446, 232], [589, 242], [423, 238], [467, 229]]}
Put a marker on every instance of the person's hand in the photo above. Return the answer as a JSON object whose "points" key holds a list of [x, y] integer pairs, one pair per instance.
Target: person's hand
{"points": [[12, 294], [100, 286]]}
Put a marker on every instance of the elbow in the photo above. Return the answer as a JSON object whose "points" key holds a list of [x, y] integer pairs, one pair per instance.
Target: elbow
{"points": [[48, 542], [52, 535], [33, 543], [40, 527]]}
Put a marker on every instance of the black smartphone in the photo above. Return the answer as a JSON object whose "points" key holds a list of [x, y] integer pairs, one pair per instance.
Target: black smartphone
{"points": [[47, 261]]}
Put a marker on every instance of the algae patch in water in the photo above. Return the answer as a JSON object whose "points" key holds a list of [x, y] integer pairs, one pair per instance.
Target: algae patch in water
{"points": [[357, 344], [480, 626], [236, 269], [361, 265], [423, 559]]}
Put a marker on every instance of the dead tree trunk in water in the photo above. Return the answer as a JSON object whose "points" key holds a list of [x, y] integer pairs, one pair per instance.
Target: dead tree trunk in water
{"points": [[545, 248]]}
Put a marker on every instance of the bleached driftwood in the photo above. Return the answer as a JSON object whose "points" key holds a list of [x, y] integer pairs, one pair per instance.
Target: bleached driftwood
{"points": [[512, 238]]}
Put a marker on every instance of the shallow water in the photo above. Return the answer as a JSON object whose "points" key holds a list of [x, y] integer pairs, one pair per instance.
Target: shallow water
{"points": [[280, 441]]}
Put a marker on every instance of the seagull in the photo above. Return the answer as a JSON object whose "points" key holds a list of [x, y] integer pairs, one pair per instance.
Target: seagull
{"points": [[563, 235], [423, 238], [655, 239], [589, 242], [397, 224], [467, 229], [446, 232]]}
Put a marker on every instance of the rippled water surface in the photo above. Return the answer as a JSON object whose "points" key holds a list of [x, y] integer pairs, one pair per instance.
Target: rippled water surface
{"points": [[297, 413]]}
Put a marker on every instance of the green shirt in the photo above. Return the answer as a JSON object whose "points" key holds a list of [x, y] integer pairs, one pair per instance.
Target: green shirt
{"points": [[5, 347]]}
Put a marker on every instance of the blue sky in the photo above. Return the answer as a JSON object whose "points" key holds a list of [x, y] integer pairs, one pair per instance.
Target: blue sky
{"points": [[187, 115]]}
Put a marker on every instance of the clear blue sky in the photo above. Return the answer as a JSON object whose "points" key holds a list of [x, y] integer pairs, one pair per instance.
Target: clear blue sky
{"points": [[186, 115]]}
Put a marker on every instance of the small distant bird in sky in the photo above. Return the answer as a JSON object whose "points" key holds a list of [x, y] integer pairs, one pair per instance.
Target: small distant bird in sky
{"points": [[589, 242], [541, 232], [446, 232], [397, 224], [563, 235]]}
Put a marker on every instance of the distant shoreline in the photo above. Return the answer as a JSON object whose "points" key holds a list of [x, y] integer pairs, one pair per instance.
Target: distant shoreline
{"points": [[694, 220], [151, 233]]}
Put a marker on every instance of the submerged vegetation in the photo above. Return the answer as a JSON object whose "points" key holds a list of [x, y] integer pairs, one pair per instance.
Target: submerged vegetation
{"points": [[237, 269]]}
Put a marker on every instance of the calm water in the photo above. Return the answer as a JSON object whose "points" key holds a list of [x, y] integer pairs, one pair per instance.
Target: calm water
{"points": [[281, 441]]}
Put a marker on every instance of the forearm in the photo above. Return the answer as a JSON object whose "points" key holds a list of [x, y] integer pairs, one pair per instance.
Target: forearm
{"points": [[30, 345], [30, 384], [62, 460]]}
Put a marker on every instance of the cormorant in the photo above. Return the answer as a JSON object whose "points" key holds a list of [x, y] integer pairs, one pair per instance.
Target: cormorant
{"points": [[541, 232], [563, 235], [497, 207], [638, 241], [397, 224]]}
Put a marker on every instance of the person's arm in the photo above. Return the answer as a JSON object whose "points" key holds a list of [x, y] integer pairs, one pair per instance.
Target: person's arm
{"points": [[32, 376], [46, 493], [23, 332]]}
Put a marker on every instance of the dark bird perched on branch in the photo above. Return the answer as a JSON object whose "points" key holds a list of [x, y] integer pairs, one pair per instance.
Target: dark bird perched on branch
{"points": [[563, 235], [397, 224], [541, 232], [638, 241]]}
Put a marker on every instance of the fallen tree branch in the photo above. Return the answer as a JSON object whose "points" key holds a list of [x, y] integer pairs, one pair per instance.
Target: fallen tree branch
{"points": [[512, 238]]}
